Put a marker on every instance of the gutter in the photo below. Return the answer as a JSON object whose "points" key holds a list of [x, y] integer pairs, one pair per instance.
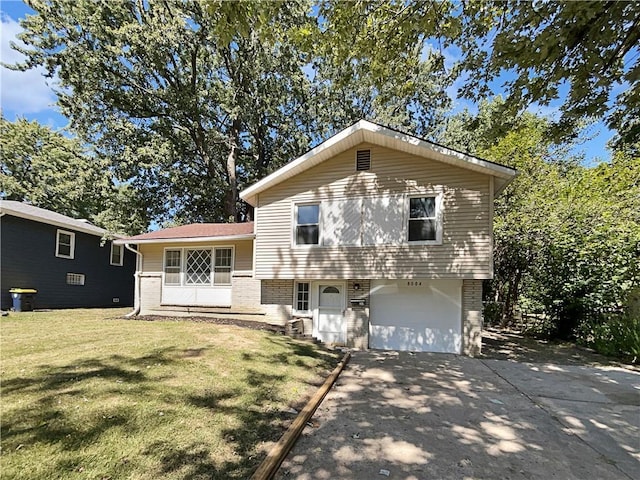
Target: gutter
{"points": [[137, 291], [221, 238]]}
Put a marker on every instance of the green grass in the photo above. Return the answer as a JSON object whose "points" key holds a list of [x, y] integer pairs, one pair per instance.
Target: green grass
{"points": [[91, 396]]}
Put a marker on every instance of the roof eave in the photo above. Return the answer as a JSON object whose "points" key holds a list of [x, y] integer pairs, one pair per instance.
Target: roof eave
{"points": [[364, 131], [225, 238], [55, 223], [322, 152]]}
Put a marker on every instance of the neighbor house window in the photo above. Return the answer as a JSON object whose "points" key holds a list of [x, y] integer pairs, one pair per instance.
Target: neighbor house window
{"points": [[222, 267], [423, 219], [117, 253], [75, 279], [307, 224], [302, 297], [65, 244], [172, 267], [198, 267]]}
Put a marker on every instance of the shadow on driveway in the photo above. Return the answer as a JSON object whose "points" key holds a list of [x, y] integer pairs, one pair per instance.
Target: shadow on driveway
{"points": [[416, 416]]}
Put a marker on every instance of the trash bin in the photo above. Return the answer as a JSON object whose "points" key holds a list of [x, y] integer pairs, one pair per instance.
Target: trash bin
{"points": [[23, 299]]}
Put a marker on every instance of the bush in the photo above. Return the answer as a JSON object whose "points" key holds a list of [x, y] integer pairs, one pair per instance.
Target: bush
{"points": [[619, 336], [492, 313]]}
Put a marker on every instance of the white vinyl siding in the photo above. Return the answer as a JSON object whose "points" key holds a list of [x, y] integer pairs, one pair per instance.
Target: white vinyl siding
{"points": [[384, 252], [383, 220], [341, 221]]}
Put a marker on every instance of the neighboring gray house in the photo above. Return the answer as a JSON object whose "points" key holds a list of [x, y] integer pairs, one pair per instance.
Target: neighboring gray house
{"points": [[375, 239], [65, 259]]}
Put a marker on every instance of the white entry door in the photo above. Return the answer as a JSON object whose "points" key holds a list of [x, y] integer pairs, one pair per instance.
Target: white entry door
{"points": [[330, 313]]}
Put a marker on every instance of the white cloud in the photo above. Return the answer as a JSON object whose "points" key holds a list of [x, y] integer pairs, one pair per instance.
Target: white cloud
{"points": [[21, 92]]}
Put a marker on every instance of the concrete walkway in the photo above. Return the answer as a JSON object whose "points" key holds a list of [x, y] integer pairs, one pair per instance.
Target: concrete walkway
{"points": [[437, 416]]}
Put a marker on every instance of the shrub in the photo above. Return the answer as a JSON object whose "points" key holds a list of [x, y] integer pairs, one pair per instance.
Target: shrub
{"points": [[618, 336]]}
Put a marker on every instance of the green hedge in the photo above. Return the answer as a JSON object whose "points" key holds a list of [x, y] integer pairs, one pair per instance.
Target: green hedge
{"points": [[618, 337]]}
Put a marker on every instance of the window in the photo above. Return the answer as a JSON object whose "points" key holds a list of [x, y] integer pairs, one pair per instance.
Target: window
{"points": [[65, 244], [75, 279], [117, 252], [172, 267], [198, 269], [302, 297], [222, 267], [423, 221], [330, 290], [307, 224]]}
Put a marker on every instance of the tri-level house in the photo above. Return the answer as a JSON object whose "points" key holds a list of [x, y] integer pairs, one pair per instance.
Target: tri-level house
{"points": [[70, 262], [373, 239]]}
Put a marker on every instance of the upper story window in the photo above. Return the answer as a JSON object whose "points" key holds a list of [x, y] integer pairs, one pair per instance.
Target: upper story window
{"points": [[65, 244], [117, 254], [307, 224], [424, 225]]}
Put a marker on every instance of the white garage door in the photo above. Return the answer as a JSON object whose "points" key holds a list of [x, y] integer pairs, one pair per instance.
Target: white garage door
{"points": [[416, 315]]}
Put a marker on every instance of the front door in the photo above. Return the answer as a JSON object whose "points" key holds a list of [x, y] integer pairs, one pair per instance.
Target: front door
{"points": [[330, 313]]}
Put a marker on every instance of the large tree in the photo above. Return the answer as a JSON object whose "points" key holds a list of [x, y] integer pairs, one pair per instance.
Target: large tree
{"points": [[193, 100], [188, 100], [582, 55], [567, 236], [51, 170]]}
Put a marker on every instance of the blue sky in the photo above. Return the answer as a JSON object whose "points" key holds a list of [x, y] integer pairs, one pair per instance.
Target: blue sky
{"points": [[30, 95]]}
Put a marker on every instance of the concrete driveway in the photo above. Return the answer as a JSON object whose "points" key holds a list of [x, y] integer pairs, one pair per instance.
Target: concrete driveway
{"points": [[438, 416]]}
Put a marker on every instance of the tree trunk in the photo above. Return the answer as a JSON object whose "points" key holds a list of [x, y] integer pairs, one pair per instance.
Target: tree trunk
{"points": [[512, 298], [231, 207]]}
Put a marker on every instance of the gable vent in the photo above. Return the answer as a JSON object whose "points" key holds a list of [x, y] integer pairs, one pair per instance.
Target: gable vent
{"points": [[363, 160]]}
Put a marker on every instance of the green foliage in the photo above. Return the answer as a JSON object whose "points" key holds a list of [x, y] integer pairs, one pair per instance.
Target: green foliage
{"points": [[567, 237], [402, 86], [586, 48], [189, 101], [616, 337], [539, 53], [49, 170], [53, 171], [592, 261]]}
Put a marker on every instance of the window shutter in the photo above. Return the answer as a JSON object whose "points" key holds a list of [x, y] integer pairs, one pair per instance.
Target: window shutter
{"points": [[363, 160]]}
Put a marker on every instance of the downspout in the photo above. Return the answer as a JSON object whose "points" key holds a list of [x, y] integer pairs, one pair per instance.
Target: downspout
{"points": [[136, 294]]}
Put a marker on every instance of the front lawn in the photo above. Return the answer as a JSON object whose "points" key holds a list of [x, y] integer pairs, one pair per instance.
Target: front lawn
{"points": [[86, 395]]}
